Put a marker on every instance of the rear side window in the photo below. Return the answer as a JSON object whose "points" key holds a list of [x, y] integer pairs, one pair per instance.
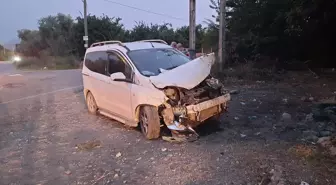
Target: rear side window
{"points": [[96, 62]]}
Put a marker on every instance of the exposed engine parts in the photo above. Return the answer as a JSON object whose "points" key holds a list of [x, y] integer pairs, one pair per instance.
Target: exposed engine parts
{"points": [[185, 109]]}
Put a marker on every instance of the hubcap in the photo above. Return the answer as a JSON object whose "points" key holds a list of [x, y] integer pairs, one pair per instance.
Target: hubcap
{"points": [[144, 122]]}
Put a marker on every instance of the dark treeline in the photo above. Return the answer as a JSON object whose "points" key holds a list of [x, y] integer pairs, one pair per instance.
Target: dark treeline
{"points": [[269, 32]]}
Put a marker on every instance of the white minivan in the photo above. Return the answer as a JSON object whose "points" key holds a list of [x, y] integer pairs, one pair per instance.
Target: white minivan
{"points": [[152, 84]]}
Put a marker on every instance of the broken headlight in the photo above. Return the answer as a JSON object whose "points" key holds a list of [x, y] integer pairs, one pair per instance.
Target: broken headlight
{"points": [[172, 94], [213, 83]]}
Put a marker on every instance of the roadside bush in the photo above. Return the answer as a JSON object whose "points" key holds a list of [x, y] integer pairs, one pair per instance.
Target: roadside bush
{"points": [[249, 71]]}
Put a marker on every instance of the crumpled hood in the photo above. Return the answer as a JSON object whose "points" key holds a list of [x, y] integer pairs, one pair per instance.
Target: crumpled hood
{"points": [[188, 75]]}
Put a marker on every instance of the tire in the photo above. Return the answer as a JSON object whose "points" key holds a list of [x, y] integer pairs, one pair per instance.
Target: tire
{"points": [[150, 122], [91, 104]]}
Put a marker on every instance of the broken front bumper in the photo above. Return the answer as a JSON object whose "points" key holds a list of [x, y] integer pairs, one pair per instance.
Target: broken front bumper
{"points": [[193, 115], [203, 111]]}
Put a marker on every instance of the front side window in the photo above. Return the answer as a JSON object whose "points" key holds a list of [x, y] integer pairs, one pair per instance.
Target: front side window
{"points": [[150, 62], [118, 64]]}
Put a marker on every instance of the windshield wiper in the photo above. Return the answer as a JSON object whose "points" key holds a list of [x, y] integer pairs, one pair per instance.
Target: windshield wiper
{"points": [[161, 70], [171, 67]]}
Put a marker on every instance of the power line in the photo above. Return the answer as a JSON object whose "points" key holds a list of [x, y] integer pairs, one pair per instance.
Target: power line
{"points": [[147, 11]]}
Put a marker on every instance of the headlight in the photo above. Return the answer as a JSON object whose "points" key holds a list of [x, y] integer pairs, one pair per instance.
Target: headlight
{"points": [[172, 94], [214, 83], [17, 59]]}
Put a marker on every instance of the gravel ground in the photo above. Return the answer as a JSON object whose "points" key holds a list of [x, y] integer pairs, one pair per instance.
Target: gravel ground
{"points": [[41, 139]]}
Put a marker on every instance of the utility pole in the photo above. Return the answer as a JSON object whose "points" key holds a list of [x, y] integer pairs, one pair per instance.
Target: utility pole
{"points": [[192, 29], [86, 36], [222, 27]]}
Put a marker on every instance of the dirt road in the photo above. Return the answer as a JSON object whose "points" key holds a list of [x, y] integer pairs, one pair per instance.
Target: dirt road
{"points": [[44, 122]]}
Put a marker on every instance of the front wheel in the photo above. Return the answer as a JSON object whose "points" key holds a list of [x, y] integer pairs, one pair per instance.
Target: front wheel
{"points": [[150, 122], [91, 103]]}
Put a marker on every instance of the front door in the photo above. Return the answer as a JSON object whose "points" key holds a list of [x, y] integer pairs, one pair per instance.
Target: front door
{"points": [[118, 97]]}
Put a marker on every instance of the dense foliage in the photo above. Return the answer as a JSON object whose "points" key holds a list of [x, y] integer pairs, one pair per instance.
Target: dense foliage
{"points": [[5, 54], [61, 35], [285, 32]]}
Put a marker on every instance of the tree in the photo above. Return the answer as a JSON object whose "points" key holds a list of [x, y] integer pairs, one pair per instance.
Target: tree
{"points": [[283, 30], [56, 34], [31, 43], [100, 29], [4, 53]]}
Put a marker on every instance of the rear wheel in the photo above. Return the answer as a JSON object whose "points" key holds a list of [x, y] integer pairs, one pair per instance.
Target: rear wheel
{"points": [[91, 103], [150, 122]]}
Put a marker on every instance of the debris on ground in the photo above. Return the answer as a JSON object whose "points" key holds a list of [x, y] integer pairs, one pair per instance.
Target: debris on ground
{"points": [[163, 149], [286, 116], [332, 151], [304, 183], [325, 133], [68, 172], [310, 135], [274, 177], [252, 117], [234, 92], [118, 155], [324, 141], [285, 100], [329, 144], [89, 145], [309, 117], [242, 135], [173, 139]]}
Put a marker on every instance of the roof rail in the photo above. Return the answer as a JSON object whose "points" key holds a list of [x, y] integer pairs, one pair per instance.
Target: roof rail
{"points": [[154, 40], [107, 42]]}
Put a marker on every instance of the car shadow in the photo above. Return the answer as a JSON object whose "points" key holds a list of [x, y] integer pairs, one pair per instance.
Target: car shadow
{"points": [[209, 127]]}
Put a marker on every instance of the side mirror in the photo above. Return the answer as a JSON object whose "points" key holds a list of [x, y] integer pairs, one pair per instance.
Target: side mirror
{"points": [[120, 77], [117, 75]]}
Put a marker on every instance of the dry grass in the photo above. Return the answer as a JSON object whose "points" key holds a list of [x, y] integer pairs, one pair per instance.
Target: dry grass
{"points": [[89, 145], [304, 151]]}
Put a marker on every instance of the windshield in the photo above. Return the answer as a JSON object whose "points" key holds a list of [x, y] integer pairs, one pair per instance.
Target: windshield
{"points": [[151, 62]]}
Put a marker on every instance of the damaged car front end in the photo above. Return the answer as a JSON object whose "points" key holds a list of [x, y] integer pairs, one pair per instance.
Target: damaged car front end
{"points": [[193, 97], [186, 109]]}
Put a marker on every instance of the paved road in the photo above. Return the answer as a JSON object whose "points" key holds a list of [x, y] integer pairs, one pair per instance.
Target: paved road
{"points": [[6, 67], [43, 118]]}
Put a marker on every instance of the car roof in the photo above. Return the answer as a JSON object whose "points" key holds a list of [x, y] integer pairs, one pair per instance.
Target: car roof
{"points": [[128, 46]]}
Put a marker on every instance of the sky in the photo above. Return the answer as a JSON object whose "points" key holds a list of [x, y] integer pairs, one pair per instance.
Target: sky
{"points": [[24, 14]]}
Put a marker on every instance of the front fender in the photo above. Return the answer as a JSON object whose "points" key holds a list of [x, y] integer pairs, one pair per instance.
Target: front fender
{"points": [[146, 96]]}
